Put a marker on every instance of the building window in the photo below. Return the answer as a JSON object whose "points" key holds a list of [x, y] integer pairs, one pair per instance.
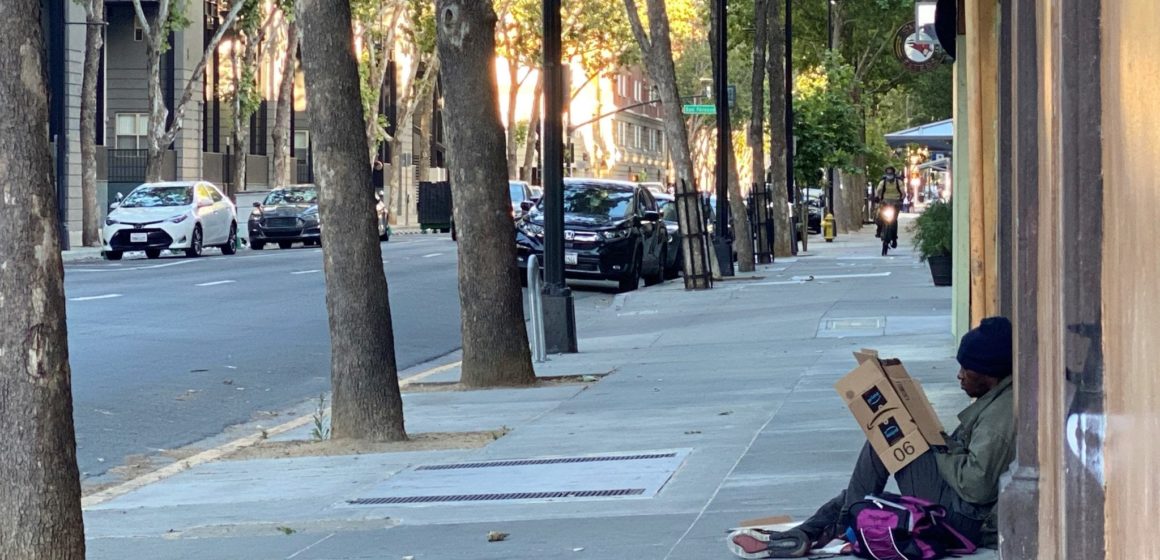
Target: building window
{"points": [[621, 87], [132, 130], [636, 130], [652, 140], [301, 144], [138, 32], [636, 90]]}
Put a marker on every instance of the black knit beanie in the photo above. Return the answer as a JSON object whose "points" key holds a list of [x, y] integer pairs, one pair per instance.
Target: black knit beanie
{"points": [[987, 349]]}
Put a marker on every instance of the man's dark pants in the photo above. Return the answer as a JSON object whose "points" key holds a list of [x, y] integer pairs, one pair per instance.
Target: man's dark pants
{"points": [[920, 479]]}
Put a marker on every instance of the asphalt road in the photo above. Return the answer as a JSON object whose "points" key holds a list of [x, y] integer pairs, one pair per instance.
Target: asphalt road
{"points": [[169, 352]]}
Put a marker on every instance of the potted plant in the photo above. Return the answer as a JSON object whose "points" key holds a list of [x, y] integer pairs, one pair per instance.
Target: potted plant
{"points": [[933, 237]]}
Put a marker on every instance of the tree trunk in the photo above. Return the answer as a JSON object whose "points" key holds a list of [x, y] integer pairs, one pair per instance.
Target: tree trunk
{"points": [[41, 495], [513, 98], [366, 403], [425, 114], [281, 168], [94, 40], [775, 67], [756, 132], [742, 232], [395, 180], [658, 55], [530, 157], [495, 340], [157, 111]]}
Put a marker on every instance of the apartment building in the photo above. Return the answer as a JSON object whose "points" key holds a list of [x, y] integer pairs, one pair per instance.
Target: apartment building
{"points": [[202, 148]]}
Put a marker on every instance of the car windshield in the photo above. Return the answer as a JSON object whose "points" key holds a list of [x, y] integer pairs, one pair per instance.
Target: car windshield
{"points": [[668, 210], [597, 200], [302, 195], [517, 193], [154, 197]]}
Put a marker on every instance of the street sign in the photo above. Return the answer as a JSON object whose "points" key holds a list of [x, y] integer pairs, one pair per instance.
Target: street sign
{"points": [[699, 109], [732, 96]]}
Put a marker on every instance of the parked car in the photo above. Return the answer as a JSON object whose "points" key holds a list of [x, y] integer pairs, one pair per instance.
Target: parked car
{"points": [[289, 215], [655, 188], [521, 194], [613, 231], [668, 207], [815, 208], [176, 216], [537, 192]]}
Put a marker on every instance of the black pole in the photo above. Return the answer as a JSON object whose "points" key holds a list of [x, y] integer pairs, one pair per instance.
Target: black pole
{"points": [[722, 239], [559, 308], [830, 48], [789, 143]]}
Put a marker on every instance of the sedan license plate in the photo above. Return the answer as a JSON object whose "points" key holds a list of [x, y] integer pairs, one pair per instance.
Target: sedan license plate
{"points": [[138, 238], [571, 258]]}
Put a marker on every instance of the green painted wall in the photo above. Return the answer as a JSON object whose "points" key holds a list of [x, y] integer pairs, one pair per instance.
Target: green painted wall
{"points": [[961, 295]]}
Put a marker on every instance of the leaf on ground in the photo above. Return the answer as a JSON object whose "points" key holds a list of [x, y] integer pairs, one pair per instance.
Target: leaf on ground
{"points": [[285, 530], [496, 536]]}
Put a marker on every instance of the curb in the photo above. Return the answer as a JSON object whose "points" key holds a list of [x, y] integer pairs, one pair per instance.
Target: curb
{"points": [[225, 449]]}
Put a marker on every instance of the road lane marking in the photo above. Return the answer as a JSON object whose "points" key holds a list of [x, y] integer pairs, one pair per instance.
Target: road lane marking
{"points": [[432, 255], [297, 272], [218, 283], [217, 453], [121, 268], [92, 298]]}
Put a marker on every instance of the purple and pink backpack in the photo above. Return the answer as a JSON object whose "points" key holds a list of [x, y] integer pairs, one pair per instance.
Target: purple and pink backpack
{"points": [[892, 527]]}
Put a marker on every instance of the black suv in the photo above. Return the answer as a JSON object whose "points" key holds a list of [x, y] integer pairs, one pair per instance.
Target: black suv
{"points": [[612, 231]]}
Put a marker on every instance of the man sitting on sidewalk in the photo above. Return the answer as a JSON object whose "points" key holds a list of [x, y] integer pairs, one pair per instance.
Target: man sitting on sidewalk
{"points": [[963, 477]]}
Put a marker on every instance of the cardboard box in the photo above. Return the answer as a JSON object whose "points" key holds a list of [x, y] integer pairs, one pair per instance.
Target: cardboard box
{"points": [[891, 408]]}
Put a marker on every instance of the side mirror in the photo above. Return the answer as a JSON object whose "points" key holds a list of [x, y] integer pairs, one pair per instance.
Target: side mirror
{"points": [[120, 197], [527, 205], [652, 216], [257, 204]]}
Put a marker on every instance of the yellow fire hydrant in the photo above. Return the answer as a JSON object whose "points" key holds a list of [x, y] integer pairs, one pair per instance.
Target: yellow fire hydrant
{"points": [[828, 227]]}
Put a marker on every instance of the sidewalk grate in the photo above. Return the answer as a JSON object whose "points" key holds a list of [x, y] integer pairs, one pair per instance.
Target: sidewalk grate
{"points": [[557, 461], [498, 497]]}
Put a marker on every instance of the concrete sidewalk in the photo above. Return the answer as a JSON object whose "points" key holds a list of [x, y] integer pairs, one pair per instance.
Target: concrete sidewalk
{"points": [[712, 407]]}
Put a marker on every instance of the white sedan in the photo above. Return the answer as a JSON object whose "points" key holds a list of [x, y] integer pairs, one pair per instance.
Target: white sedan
{"points": [[178, 216]]}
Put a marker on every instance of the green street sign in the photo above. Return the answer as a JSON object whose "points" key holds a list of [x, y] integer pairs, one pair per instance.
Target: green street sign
{"points": [[699, 109]]}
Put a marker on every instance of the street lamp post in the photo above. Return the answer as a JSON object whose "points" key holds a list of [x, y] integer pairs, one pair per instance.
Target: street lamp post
{"points": [[722, 241], [559, 307], [790, 144]]}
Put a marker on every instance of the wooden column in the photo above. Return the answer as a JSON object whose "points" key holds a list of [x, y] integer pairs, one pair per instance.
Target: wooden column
{"points": [[1019, 502], [1131, 275], [983, 99]]}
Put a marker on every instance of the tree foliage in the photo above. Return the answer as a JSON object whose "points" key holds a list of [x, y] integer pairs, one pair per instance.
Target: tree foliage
{"points": [[825, 120]]}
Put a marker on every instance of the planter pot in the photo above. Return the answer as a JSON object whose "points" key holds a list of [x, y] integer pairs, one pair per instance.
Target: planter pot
{"points": [[940, 269]]}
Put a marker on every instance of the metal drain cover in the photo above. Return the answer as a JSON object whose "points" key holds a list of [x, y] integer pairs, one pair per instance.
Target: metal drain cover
{"points": [[586, 477]]}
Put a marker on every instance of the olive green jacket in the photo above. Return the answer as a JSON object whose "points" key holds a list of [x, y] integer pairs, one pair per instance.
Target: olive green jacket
{"points": [[982, 447]]}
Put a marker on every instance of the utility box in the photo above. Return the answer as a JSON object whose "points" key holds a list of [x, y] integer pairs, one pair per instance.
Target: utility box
{"points": [[435, 206], [891, 408]]}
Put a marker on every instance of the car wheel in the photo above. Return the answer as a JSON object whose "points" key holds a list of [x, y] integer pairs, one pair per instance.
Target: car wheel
{"points": [[231, 245], [152, 253], [654, 279], [113, 255], [257, 245], [285, 244], [631, 280], [195, 245]]}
